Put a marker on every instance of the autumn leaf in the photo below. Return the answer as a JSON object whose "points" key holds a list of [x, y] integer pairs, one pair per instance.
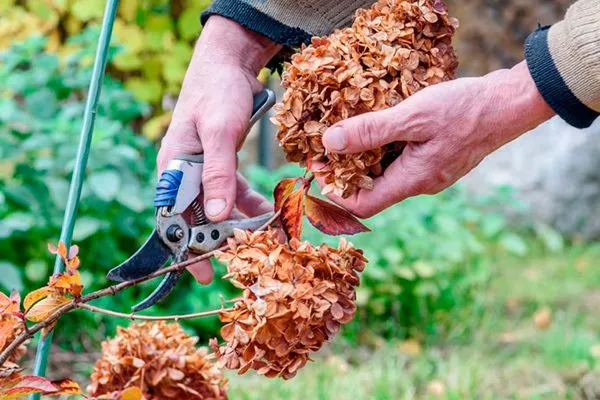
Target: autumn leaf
{"points": [[131, 393], [61, 249], [6, 331], [42, 309], [73, 263], [69, 282], [65, 386], [331, 219], [291, 214], [10, 305], [36, 296], [283, 189], [73, 251], [25, 385]]}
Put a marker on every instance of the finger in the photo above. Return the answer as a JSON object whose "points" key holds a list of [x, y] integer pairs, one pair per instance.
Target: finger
{"points": [[219, 175], [202, 271], [181, 138], [397, 183], [376, 129], [250, 202]]}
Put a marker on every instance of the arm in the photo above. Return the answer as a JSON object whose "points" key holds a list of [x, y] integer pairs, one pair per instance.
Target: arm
{"points": [[288, 22], [449, 128], [211, 114], [564, 61]]}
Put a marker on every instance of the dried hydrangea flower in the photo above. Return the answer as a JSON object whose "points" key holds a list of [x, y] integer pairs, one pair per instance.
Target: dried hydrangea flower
{"points": [[159, 358], [391, 51], [295, 297]]}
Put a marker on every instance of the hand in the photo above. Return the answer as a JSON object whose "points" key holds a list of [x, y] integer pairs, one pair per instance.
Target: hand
{"points": [[449, 128], [212, 112]]}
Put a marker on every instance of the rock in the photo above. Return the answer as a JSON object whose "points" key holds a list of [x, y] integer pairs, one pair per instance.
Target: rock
{"points": [[555, 170]]}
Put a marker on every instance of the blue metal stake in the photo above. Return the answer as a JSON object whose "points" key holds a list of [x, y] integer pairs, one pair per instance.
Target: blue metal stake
{"points": [[110, 11]]}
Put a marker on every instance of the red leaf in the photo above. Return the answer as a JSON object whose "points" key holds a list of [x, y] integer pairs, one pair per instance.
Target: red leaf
{"points": [[291, 214], [331, 219], [27, 385], [283, 189]]}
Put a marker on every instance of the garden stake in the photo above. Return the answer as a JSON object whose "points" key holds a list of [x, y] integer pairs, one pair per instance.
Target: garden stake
{"points": [[83, 150]]}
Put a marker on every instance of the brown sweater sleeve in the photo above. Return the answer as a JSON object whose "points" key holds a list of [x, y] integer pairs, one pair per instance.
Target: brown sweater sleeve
{"points": [[564, 61], [288, 22]]}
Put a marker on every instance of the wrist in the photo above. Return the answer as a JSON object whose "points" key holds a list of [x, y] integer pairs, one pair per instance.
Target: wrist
{"points": [[224, 41], [517, 101]]}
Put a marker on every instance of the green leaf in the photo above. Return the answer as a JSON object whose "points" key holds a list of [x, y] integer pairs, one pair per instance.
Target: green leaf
{"points": [[492, 225], [85, 10], [423, 269], [10, 277], [551, 238], [36, 270], [58, 189], [105, 184], [42, 103], [514, 244], [145, 90], [393, 255], [86, 227], [14, 222], [188, 23], [405, 273], [130, 197], [427, 289]]}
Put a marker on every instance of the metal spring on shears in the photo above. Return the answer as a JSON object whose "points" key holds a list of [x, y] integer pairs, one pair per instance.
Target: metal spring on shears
{"points": [[198, 210]]}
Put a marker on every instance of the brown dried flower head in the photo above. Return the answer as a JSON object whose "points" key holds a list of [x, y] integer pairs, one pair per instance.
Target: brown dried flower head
{"points": [[159, 358], [295, 297], [392, 50], [11, 326]]}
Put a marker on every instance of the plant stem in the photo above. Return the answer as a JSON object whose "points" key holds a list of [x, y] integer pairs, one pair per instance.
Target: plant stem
{"points": [[150, 317], [80, 302]]}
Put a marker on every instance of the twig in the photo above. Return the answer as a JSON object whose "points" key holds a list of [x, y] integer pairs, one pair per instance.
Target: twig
{"points": [[150, 317], [80, 302]]}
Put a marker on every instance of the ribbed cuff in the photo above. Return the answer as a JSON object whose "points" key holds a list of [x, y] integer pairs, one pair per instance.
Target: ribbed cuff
{"points": [[251, 18], [551, 84]]}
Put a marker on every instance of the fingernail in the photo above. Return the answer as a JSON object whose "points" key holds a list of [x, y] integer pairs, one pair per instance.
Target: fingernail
{"points": [[334, 138], [215, 207]]}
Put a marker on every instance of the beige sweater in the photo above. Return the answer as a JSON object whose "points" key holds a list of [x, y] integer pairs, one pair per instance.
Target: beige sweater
{"points": [[564, 60]]}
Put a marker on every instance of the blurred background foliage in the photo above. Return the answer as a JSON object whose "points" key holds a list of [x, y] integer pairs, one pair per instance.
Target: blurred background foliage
{"points": [[436, 273], [155, 40]]}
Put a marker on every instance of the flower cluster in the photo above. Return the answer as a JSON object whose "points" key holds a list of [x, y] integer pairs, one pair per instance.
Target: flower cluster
{"points": [[11, 326], [392, 50], [295, 297], [160, 359]]}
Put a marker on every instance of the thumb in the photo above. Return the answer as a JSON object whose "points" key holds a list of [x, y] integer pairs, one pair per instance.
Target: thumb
{"points": [[373, 130], [219, 178]]}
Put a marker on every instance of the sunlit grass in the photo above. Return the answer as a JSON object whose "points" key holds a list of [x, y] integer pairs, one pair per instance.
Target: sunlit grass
{"points": [[508, 357]]}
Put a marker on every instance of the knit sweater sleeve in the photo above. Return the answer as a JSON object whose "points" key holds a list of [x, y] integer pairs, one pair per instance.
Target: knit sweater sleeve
{"points": [[288, 22], [564, 61]]}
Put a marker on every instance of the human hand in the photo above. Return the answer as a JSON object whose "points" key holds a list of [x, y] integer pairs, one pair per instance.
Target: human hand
{"points": [[212, 113], [449, 128]]}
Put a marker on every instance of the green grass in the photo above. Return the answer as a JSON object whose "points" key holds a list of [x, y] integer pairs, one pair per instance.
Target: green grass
{"points": [[508, 356]]}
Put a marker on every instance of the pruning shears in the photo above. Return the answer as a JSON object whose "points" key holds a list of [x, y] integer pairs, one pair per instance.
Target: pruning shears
{"points": [[181, 224]]}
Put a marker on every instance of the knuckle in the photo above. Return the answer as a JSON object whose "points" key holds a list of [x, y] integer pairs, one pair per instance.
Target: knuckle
{"points": [[366, 132], [218, 177]]}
